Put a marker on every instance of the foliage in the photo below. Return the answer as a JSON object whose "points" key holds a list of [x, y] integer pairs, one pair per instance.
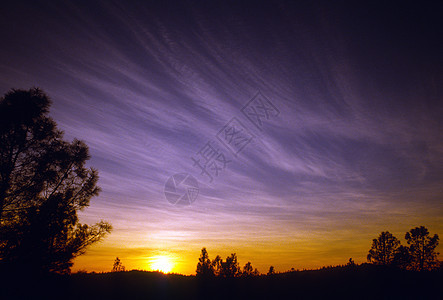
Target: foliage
{"points": [[204, 267], [383, 249], [271, 270], [422, 249], [248, 270], [402, 257], [230, 267], [217, 265], [43, 183], [419, 255], [351, 263], [118, 266]]}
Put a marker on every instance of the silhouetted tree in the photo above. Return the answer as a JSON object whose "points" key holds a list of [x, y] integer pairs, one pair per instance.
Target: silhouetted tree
{"points": [[204, 266], [217, 265], [422, 249], [402, 258], [351, 263], [383, 249], [256, 272], [271, 270], [230, 268], [247, 269], [43, 183], [118, 266]]}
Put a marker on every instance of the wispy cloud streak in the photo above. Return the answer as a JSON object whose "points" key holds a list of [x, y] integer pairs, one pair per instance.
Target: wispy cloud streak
{"points": [[146, 86]]}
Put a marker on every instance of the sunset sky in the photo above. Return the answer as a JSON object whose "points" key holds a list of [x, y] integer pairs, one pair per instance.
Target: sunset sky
{"points": [[350, 144]]}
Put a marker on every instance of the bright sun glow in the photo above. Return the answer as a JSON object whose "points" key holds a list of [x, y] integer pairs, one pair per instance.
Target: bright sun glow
{"points": [[163, 264]]}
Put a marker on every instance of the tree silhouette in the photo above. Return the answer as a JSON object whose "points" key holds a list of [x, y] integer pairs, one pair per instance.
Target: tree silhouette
{"points": [[204, 266], [351, 263], [118, 266], [422, 249], [43, 183], [402, 258], [271, 270], [248, 270], [383, 249], [230, 268], [217, 265]]}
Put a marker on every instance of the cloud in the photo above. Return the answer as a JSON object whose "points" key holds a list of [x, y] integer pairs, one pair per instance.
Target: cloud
{"points": [[353, 147]]}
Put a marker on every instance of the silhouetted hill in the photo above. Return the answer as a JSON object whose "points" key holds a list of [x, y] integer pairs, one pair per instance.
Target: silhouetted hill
{"points": [[358, 282]]}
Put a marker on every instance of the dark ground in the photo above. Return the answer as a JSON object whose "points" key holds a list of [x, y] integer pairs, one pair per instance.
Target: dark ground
{"points": [[359, 282]]}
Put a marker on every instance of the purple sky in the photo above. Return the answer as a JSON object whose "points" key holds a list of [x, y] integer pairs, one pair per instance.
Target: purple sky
{"points": [[357, 147]]}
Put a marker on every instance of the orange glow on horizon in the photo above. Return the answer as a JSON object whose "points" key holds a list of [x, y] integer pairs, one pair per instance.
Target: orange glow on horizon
{"points": [[162, 263]]}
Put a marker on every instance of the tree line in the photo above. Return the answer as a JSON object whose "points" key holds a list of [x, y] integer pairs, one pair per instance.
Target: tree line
{"points": [[223, 268], [419, 254], [386, 250]]}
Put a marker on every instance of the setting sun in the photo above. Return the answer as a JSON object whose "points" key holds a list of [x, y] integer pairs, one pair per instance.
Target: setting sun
{"points": [[163, 264]]}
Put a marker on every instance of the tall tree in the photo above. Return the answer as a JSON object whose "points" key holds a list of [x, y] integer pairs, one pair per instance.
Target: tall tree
{"points": [[43, 183], [422, 249], [383, 249], [204, 266]]}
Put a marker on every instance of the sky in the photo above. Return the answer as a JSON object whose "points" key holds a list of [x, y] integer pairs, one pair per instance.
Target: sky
{"points": [[297, 131]]}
